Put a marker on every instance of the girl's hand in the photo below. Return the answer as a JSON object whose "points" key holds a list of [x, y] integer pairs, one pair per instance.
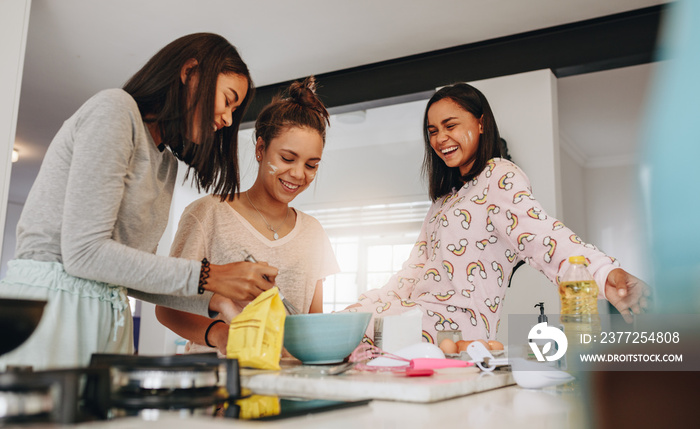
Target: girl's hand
{"points": [[241, 281], [218, 336], [226, 308], [627, 293]]}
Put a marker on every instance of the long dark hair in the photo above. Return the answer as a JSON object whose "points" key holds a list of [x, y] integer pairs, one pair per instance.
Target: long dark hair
{"points": [[299, 107], [162, 99], [441, 178]]}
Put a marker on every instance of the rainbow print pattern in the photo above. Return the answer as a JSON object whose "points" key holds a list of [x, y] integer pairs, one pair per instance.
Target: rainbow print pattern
{"points": [[480, 199], [498, 268], [487, 325], [444, 297], [473, 268], [504, 183], [481, 244], [442, 323], [552, 244], [384, 307], [432, 272], [520, 195], [490, 165], [524, 237], [472, 316], [466, 215], [449, 269], [536, 213], [468, 292], [489, 225], [493, 305], [513, 222], [458, 251]]}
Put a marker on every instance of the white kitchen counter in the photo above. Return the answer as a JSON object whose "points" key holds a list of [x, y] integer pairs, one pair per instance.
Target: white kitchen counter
{"points": [[473, 400], [508, 407]]}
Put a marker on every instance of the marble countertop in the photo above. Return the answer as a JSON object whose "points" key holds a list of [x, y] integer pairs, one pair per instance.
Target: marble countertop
{"points": [[308, 382]]}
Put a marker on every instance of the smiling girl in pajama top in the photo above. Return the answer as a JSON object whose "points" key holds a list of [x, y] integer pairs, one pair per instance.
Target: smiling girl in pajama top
{"points": [[483, 221]]}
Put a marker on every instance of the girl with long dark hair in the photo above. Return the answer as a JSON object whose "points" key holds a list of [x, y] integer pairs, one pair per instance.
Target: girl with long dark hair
{"points": [[484, 220], [100, 204]]}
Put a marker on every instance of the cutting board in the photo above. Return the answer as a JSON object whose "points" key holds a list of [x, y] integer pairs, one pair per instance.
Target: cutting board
{"points": [[307, 382]]}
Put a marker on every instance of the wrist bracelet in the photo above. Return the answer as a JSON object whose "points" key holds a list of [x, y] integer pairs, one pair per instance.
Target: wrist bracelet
{"points": [[206, 334], [203, 276]]}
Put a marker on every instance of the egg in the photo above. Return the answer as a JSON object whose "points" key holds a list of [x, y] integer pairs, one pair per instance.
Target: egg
{"points": [[496, 345], [448, 346], [462, 345]]}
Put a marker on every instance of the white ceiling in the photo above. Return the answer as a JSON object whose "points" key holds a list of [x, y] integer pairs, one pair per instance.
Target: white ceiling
{"points": [[78, 47]]}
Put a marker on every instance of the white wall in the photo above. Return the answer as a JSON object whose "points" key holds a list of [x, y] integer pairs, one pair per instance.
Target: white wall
{"points": [[573, 182], [614, 218], [14, 21], [381, 174]]}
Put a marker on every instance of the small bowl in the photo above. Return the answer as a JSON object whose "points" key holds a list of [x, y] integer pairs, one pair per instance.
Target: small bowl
{"points": [[322, 338], [18, 319]]}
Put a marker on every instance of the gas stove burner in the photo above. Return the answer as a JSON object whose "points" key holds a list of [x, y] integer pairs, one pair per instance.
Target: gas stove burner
{"points": [[24, 405], [179, 382], [54, 396], [177, 378]]}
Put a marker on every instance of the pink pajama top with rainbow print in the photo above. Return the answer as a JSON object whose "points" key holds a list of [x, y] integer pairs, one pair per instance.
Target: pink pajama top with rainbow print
{"points": [[459, 268]]}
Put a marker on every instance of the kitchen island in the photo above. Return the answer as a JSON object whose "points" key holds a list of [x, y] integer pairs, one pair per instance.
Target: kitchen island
{"points": [[507, 407]]}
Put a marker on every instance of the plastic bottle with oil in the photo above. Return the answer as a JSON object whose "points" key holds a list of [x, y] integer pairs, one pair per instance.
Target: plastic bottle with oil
{"points": [[579, 303]]}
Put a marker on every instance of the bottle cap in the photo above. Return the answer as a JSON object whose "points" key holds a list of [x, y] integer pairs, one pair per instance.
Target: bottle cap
{"points": [[577, 259]]}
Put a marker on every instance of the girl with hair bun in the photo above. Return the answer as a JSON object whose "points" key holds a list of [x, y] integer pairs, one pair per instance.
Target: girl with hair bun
{"points": [[290, 134]]}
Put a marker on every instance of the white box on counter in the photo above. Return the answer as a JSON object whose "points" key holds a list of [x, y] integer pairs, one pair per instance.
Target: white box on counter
{"points": [[392, 333]]}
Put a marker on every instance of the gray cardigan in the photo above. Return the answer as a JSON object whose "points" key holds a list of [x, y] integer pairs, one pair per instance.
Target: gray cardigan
{"points": [[101, 202]]}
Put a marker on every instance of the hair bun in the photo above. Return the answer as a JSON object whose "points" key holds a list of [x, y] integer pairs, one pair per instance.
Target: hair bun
{"points": [[299, 106], [304, 94]]}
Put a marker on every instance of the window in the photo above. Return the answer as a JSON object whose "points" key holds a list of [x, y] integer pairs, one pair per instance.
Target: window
{"points": [[371, 244]]}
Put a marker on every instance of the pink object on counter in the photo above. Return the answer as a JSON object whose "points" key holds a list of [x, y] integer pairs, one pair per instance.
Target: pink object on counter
{"points": [[410, 372], [436, 363]]}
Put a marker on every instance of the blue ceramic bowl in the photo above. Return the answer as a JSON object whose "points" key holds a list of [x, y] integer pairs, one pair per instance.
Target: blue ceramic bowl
{"points": [[320, 338]]}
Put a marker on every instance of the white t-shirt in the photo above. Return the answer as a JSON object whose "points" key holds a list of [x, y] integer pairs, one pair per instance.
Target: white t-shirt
{"points": [[213, 229]]}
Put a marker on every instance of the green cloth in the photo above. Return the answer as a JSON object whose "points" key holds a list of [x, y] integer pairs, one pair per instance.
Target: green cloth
{"points": [[81, 316]]}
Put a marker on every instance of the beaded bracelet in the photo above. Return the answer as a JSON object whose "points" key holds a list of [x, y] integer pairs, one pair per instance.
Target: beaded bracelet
{"points": [[206, 334], [203, 276]]}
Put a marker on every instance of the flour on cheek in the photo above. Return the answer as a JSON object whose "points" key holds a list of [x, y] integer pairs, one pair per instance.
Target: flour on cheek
{"points": [[273, 168]]}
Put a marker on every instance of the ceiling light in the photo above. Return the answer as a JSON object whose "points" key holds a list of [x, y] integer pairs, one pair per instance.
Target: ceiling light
{"points": [[15, 155]]}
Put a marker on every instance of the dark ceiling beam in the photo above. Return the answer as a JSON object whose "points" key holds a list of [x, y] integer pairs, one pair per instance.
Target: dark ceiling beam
{"points": [[605, 43]]}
